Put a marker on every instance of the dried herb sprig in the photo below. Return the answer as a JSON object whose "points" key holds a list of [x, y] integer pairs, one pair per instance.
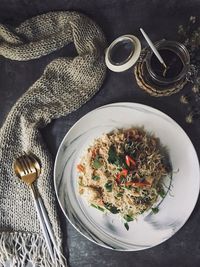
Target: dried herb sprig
{"points": [[189, 35]]}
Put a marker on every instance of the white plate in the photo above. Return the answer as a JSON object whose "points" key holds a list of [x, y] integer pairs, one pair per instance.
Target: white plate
{"points": [[108, 230]]}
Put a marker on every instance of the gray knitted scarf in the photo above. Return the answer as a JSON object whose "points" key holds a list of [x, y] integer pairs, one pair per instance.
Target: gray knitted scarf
{"points": [[66, 84]]}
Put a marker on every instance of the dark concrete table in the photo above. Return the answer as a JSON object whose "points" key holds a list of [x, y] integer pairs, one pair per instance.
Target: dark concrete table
{"points": [[160, 19]]}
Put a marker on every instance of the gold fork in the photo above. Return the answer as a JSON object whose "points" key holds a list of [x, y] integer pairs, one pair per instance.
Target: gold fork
{"points": [[36, 164], [27, 172]]}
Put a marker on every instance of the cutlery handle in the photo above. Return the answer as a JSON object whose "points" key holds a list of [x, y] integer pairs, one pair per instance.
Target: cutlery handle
{"points": [[42, 223], [48, 224]]}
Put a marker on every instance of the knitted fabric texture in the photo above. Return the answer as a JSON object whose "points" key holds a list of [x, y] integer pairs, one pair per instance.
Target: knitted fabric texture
{"points": [[66, 84]]}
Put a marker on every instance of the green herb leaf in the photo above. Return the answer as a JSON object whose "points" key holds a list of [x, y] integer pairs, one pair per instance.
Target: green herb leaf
{"points": [[122, 180], [161, 192], [108, 186], [155, 210], [128, 218], [112, 154], [126, 226], [95, 177], [111, 208], [97, 163], [119, 161], [97, 207], [114, 158], [129, 187]]}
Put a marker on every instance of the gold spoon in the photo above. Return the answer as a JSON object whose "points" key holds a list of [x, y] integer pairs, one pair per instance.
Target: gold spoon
{"points": [[27, 172]]}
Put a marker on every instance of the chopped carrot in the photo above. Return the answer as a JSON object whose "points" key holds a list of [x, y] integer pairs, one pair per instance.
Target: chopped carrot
{"points": [[118, 176], [123, 173], [80, 168], [138, 184]]}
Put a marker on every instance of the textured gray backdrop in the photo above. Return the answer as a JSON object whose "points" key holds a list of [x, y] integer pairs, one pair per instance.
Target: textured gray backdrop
{"points": [[160, 19]]}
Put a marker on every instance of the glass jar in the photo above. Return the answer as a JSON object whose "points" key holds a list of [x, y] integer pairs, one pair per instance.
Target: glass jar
{"points": [[176, 58]]}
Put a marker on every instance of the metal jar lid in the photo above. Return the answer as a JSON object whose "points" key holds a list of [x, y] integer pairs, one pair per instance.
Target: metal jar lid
{"points": [[123, 53]]}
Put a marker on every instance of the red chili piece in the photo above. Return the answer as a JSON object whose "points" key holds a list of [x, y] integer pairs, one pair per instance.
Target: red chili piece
{"points": [[130, 161]]}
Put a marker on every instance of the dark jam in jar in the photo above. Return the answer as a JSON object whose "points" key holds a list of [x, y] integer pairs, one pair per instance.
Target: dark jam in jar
{"points": [[173, 62]]}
